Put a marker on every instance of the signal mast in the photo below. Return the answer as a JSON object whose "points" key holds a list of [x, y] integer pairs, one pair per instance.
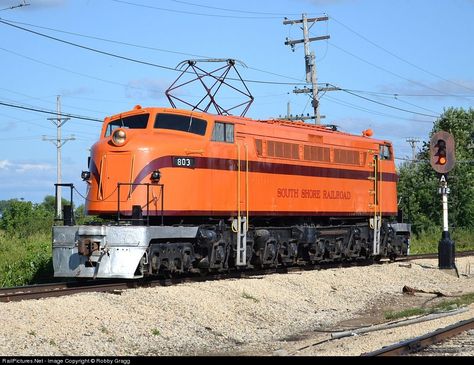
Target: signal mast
{"points": [[442, 160]]}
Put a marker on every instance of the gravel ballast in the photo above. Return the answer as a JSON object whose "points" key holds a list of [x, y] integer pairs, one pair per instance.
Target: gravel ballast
{"points": [[260, 315]]}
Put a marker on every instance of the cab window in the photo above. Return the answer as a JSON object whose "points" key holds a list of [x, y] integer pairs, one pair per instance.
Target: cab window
{"points": [[183, 123], [132, 122], [223, 132], [385, 153]]}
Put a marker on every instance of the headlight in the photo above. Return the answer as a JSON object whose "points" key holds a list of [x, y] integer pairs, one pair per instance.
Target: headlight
{"points": [[85, 175], [118, 137], [155, 176]]}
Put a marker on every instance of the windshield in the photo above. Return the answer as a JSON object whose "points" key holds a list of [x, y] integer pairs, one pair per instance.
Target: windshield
{"points": [[133, 122], [181, 123]]}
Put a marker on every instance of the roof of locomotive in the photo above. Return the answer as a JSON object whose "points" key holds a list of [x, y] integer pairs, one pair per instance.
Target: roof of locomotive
{"points": [[300, 124]]}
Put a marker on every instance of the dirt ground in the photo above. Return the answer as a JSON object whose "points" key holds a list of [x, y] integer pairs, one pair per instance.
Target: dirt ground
{"points": [[272, 315], [319, 342]]}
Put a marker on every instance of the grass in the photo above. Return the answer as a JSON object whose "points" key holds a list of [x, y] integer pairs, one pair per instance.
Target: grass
{"points": [[155, 332], [249, 296], [427, 242], [25, 261], [445, 305]]}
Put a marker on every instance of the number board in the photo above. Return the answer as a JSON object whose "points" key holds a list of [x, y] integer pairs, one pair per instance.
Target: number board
{"points": [[184, 162]]}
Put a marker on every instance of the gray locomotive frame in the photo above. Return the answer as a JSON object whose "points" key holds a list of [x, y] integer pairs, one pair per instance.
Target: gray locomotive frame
{"points": [[105, 251], [130, 251]]}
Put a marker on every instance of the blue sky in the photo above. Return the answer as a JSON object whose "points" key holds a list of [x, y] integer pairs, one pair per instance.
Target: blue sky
{"points": [[416, 57]]}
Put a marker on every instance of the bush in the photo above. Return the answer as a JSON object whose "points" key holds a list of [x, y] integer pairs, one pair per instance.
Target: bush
{"points": [[25, 243], [25, 240], [23, 219], [25, 260]]}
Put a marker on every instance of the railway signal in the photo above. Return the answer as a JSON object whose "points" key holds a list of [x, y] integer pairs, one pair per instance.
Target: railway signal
{"points": [[442, 160], [442, 157]]}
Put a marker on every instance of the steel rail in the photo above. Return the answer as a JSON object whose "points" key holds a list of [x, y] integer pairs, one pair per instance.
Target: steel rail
{"points": [[39, 291], [419, 343], [432, 256]]}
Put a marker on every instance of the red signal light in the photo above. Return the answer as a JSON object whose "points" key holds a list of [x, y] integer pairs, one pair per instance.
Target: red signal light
{"points": [[442, 152]]}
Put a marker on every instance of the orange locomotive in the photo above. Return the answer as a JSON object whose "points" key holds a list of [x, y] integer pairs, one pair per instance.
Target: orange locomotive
{"points": [[195, 191]]}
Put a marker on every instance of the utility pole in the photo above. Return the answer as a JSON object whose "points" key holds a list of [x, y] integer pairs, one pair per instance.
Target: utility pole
{"points": [[413, 141], [58, 142], [311, 72]]}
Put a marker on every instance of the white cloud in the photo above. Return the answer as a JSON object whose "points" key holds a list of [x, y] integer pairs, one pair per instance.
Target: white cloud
{"points": [[25, 167], [4, 164], [146, 88], [82, 90]]}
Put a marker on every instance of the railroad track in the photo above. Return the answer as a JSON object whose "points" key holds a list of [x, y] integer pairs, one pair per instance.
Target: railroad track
{"points": [[433, 256], [420, 343], [109, 285]]}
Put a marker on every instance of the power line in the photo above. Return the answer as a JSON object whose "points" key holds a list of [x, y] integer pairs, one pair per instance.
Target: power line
{"points": [[398, 57], [371, 111], [47, 98], [231, 10], [129, 58], [107, 40], [389, 106], [384, 104], [416, 106], [84, 134], [34, 109], [70, 71], [140, 46], [16, 6], [385, 70], [194, 13], [172, 69], [396, 97], [395, 94], [88, 48], [376, 66]]}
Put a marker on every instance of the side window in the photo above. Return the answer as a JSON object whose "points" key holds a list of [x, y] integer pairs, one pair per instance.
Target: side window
{"points": [[385, 152], [223, 132]]}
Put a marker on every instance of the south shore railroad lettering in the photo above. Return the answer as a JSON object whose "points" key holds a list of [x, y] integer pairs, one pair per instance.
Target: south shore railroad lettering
{"points": [[313, 194]]}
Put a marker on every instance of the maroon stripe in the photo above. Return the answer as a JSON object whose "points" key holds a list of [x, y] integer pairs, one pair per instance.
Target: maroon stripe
{"points": [[265, 168], [251, 213]]}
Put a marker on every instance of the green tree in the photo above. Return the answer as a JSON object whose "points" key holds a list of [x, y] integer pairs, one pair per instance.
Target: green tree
{"points": [[419, 183], [23, 218], [49, 203]]}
